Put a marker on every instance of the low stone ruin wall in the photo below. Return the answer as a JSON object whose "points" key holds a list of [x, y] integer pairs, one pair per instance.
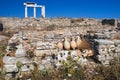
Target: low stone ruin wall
{"points": [[16, 23]]}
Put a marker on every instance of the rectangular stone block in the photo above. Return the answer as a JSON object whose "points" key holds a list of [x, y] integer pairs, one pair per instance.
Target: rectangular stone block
{"points": [[47, 52], [10, 68], [104, 42]]}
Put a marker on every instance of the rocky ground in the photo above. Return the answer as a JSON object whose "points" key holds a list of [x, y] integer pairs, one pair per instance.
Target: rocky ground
{"points": [[29, 41]]}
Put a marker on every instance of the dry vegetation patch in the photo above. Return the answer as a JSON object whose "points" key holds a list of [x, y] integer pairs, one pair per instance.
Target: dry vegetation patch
{"points": [[117, 36]]}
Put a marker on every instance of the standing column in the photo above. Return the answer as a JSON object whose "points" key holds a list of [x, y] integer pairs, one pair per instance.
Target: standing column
{"points": [[43, 12], [115, 23], [34, 11], [26, 11]]}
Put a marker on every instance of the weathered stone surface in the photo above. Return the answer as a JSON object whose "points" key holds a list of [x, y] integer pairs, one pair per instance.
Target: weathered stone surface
{"points": [[20, 52], [107, 34], [100, 35], [118, 45], [27, 67], [42, 52], [45, 45], [9, 60], [117, 50], [111, 48], [24, 60], [10, 68], [117, 42], [105, 42], [116, 54], [10, 22], [103, 51]]}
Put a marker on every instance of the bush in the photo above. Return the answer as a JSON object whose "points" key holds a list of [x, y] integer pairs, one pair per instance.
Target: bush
{"points": [[110, 72], [108, 21]]}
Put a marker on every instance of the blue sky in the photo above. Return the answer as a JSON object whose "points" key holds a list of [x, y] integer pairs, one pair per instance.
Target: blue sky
{"points": [[64, 8]]}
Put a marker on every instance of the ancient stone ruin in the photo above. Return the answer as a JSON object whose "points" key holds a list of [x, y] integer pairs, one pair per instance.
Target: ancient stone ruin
{"points": [[42, 41]]}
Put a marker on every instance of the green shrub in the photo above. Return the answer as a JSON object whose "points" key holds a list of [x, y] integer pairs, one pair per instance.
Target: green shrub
{"points": [[19, 64]]}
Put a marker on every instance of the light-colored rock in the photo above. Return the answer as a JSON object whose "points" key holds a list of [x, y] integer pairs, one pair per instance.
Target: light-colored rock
{"points": [[14, 39], [62, 55], [27, 67], [83, 61], [10, 68], [9, 60], [117, 50], [73, 53], [42, 52], [117, 42], [44, 46], [20, 52], [104, 42], [105, 62], [100, 35], [101, 57], [103, 51], [111, 49], [118, 45], [24, 60]]}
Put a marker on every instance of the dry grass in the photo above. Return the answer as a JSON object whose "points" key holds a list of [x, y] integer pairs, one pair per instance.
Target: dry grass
{"points": [[3, 45], [49, 28], [77, 20], [85, 44], [8, 33], [30, 53], [111, 72], [101, 72], [1, 62]]}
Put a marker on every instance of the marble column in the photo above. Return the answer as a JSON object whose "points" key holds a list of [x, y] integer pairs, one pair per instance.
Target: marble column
{"points": [[43, 12], [26, 11], [34, 12]]}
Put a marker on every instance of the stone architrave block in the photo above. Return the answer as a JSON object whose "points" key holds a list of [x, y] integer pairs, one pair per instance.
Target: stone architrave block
{"points": [[104, 42]]}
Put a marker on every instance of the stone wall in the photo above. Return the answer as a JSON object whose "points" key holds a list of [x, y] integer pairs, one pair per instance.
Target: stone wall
{"points": [[30, 22], [16, 23], [108, 50]]}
